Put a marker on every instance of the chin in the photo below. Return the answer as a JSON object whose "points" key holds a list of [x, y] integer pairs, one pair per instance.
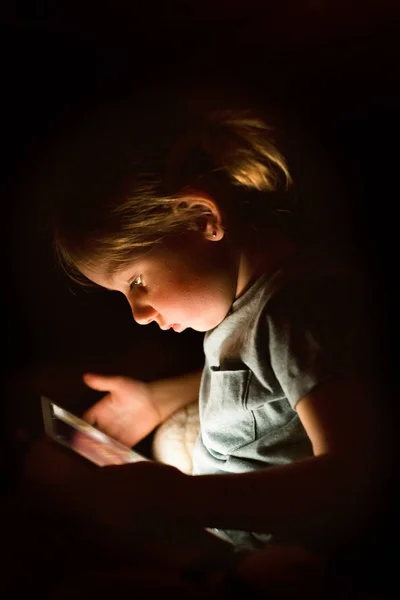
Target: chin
{"points": [[200, 328], [207, 327]]}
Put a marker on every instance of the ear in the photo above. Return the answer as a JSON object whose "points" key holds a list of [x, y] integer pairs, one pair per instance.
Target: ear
{"points": [[210, 214]]}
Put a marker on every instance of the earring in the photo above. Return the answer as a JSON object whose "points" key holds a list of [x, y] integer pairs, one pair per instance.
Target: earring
{"points": [[214, 234]]}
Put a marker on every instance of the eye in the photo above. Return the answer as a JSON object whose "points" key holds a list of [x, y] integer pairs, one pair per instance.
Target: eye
{"points": [[138, 281]]}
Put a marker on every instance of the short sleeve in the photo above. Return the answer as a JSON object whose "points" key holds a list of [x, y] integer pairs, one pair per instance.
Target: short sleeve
{"points": [[319, 329]]}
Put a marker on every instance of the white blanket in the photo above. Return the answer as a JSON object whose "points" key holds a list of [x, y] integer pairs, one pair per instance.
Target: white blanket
{"points": [[174, 440]]}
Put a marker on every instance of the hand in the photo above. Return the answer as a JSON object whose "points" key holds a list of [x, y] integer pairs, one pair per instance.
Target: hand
{"points": [[127, 512], [49, 464], [117, 498], [126, 500], [124, 509], [127, 413]]}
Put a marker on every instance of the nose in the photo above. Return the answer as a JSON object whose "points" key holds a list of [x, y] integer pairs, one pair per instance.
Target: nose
{"points": [[143, 313]]}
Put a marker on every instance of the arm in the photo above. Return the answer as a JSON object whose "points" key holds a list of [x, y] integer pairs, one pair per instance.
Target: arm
{"points": [[311, 502], [171, 394], [314, 499]]}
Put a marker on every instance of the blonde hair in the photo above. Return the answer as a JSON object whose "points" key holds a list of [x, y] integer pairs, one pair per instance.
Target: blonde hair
{"points": [[240, 144], [131, 176]]}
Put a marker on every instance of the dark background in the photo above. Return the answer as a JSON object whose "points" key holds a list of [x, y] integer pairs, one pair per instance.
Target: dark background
{"points": [[334, 66]]}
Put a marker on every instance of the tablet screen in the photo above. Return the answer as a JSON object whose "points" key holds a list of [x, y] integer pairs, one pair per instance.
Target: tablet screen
{"points": [[75, 433]]}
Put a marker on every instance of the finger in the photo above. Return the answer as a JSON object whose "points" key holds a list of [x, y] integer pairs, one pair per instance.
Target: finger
{"points": [[101, 383]]}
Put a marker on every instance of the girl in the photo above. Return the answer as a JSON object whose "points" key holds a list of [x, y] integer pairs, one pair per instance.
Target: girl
{"points": [[188, 212]]}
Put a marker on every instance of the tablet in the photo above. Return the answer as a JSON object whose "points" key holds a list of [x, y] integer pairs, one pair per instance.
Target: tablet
{"points": [[84, 439], [92, 444]]}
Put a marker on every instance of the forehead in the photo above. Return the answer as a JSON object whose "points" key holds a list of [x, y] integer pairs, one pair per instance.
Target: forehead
{"points": [[112, 274], [103, 275], [169, 254]]}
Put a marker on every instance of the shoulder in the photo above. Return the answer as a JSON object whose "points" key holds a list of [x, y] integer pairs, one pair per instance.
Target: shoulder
{"points": [[315, 325], [316, 282]]}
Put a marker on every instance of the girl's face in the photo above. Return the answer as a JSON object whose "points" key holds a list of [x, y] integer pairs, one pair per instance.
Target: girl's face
{"points": [[190, 281]]}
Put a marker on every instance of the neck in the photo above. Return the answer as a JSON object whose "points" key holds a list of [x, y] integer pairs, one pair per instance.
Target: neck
{"points": [[259, 257]]}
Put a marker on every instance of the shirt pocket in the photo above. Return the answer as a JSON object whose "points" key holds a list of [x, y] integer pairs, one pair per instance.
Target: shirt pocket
{"points": [[226, 422], [271, 409]]}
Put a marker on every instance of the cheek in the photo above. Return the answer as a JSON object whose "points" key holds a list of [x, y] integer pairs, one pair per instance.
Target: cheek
{"points": [[180, 300], [206, 302], [197, 297]]}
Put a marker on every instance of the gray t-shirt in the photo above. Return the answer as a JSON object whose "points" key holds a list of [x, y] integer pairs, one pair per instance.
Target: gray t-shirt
{"points": [[294, 328]]}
